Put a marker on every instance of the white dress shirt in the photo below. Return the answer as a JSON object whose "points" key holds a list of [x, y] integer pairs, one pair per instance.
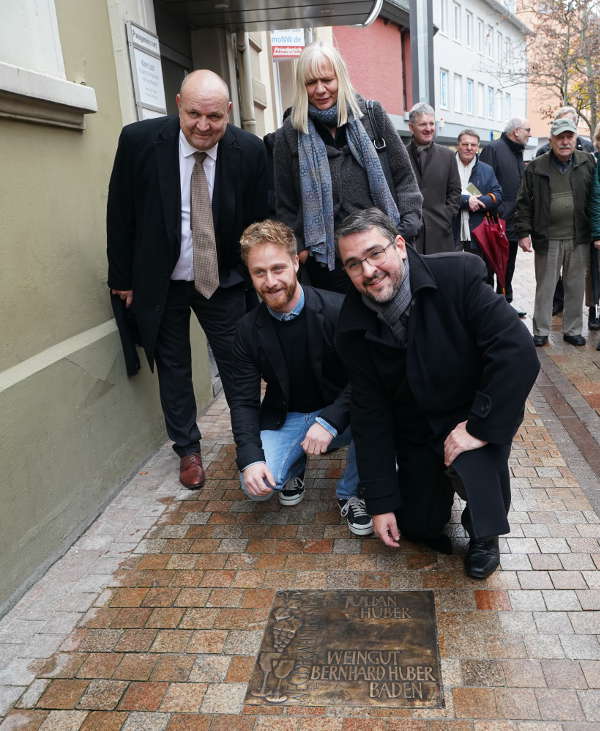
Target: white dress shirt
{"points": [[184, 269]]}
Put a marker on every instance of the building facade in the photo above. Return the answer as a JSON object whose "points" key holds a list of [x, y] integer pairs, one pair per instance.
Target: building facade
{"points": [[478, 47]]}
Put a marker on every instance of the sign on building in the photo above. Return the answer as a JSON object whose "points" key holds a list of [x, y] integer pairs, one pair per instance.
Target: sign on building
{"points": [[287, 44], [146, 70]]}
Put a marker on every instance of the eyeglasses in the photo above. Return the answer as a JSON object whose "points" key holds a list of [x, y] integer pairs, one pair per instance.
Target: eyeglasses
{"points": [[525, 129], [377, 256]]}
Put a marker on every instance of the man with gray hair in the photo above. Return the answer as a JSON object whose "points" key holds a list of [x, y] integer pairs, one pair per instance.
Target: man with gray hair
{"points": [[505, 156], [437, 176], [551, 218], [582, 143]]}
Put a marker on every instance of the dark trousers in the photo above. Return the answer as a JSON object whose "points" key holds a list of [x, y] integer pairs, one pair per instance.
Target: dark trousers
{"points": [[480, 477], [218, 317], [513, 247]]}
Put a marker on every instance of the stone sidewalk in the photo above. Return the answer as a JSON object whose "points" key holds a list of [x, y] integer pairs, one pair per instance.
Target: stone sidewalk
{"points": [[153, 619]]}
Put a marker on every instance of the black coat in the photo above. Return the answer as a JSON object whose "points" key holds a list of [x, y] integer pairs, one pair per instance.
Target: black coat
{"points": [[468, 357], [258, 355], [483, 178], [506, 159], [439, 183], [144, 212]]}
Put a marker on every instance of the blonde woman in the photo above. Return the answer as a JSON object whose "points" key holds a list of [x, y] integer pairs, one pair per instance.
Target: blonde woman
{"points": [[333, 156]]}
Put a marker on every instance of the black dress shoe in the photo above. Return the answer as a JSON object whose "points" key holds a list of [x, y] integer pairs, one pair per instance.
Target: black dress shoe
{"points": [[574, 339], [521, 314], [539, 340], [483, 557], [593, 319]]}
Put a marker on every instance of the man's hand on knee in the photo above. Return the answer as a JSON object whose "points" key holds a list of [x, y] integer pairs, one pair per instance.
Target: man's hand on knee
{"points": [[458, 441], [386, 529], [317, 440], [257, 478]]}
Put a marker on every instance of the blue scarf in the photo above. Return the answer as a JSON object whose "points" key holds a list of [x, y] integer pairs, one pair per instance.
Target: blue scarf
{"points": [[315, 181]]}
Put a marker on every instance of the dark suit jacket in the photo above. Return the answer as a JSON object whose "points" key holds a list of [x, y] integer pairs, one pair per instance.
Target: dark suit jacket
{"points": [[144, 212], [258, 355], [469, 357], [439, 182], [484, 179]]}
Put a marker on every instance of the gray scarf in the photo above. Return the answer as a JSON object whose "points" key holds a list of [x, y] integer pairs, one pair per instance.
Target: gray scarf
{"points": [[395, 312], [315, 181]]}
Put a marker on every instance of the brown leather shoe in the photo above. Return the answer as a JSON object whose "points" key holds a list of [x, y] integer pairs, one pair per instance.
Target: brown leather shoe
{"points": [[191, 471]]}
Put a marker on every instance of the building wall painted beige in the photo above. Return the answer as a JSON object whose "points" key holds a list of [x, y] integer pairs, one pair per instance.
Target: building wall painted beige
{"points": [[73, 427]]}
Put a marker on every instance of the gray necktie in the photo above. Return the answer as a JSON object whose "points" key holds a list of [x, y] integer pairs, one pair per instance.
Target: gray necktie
{"points": [[206, 265]]}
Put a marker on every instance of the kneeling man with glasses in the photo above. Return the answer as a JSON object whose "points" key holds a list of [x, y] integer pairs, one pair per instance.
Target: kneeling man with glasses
{"points": [[440, 367], [289, 342]]}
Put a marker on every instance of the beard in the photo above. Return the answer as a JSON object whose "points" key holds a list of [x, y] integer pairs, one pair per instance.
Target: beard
{"points": [[390, 285], [278, 298]]}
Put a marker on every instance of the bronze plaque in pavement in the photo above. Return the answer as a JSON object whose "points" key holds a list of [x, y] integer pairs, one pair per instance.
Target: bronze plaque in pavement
{"points": [[359, 648]]}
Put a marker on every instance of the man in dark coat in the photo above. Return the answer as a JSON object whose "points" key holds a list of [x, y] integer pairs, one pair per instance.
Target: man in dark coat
{"points": [[167, 257], [440, 367], [438, 181], [480, 193], [552, 219], [505, 156], [288, 341]]}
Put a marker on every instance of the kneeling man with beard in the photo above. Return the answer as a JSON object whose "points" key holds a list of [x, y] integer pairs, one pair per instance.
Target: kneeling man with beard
{"points": [[440, 367], [289, 342]]}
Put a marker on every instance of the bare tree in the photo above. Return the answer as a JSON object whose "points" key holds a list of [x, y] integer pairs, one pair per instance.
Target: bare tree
{"points": [[563, 53]]}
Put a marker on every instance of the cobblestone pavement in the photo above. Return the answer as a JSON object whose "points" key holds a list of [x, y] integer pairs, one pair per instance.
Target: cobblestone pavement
{"points": [[154, 617]]}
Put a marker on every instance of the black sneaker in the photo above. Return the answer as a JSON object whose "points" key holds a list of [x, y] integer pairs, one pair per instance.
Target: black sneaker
{"points": [[593, 319], [355, 512], [293, 491]]}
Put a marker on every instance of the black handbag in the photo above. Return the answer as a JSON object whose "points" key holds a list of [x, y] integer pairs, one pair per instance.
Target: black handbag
{"points": [[378, 140]]}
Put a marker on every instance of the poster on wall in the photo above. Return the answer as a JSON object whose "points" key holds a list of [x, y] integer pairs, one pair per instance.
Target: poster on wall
{"points": [[286, 44], [146, 71]]}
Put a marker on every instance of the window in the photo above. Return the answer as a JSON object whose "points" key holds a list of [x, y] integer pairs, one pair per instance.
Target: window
{"points": [[499, 105], [507, 51], [457, 93], [499, 46], [489, 112], [469, 29], [480, 100], [456, 26], [480, 35], [507, 106], [470, 100], [489, 41], [444, 16], [444, 88], [32, 71]]}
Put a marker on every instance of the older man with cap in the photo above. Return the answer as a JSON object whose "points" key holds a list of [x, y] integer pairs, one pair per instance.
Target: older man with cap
{"points": [[551, 219]]}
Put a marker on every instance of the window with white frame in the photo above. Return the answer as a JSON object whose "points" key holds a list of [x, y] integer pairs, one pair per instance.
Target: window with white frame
{"points": [[480, 35], [499, 46], [469, 28], [480, 99], [470, 97], [444, 75], [458, 80], [499, 105], [507, 106], [444, 15], [508, 51], [456, 25], [32, 68], [489, 42], [489, 111]]}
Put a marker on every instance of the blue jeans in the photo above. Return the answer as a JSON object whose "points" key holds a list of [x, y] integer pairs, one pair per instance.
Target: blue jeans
{"points": [[286, 459]]}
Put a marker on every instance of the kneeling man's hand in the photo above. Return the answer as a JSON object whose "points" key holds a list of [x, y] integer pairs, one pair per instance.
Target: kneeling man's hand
{"points": [[317, 440], [458, 441], [255, 478], [386, 528]]}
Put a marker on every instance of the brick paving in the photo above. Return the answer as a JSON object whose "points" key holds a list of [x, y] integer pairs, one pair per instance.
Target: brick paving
{"points": [[154, 617]]}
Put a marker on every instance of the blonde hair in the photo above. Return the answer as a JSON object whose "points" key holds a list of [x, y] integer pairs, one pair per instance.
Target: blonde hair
{"points": [[267, 232], [310, 66]]}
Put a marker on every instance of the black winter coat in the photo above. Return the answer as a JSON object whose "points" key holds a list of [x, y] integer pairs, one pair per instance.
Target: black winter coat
{"points": [[532, 215], [258, 355], [469, 357], [506, 159], [144, 212], [439, 183]]}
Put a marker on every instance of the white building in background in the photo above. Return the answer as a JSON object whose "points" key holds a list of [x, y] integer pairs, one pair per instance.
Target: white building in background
{"points": [[478, 45]]}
